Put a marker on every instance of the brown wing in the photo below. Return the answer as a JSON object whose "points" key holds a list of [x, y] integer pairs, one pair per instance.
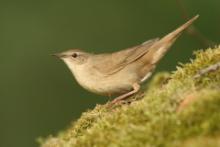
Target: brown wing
{"points": [[114, 62]]}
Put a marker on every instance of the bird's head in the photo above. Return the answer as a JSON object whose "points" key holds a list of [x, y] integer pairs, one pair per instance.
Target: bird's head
{"points": [[74, 58]]}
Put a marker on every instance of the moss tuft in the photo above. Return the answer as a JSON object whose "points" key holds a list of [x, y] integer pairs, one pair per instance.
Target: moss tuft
{"points": [[159, 118]]}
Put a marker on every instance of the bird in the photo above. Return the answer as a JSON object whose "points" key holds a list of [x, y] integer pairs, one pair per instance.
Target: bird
{"points": [[119, 73]]}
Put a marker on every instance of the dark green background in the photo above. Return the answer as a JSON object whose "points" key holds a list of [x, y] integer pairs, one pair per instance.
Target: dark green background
{"points": [[38, 95]]}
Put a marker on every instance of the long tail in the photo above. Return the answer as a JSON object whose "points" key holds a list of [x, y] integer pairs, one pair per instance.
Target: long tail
{"points": [[158, 50]]}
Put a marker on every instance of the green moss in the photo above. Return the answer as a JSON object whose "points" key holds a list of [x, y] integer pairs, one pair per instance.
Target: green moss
{"points": [[201, 142], [154, 120]]}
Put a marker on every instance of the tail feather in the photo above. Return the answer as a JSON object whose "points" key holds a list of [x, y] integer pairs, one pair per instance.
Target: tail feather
{"points": [[158, 50], [178, 31]]}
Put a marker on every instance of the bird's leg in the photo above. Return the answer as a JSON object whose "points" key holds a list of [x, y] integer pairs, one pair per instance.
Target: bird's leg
{"points": [[109, 96], [135, 86]]}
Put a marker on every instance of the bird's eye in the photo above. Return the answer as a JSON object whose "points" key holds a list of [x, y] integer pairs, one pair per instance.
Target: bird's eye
{"points": [[74, 55]]}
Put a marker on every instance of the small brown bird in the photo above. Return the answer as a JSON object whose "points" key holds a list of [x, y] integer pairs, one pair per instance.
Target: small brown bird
{"points": [[122, 72]]}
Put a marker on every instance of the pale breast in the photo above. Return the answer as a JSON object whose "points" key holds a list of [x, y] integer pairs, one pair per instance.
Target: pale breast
{"points": [[105, 85]]}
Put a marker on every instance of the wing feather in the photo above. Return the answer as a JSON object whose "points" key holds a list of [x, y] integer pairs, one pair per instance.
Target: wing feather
{"points": [[109, 64]]}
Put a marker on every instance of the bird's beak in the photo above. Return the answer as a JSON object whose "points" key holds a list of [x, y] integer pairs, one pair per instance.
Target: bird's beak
{"points": [[59, 55]]}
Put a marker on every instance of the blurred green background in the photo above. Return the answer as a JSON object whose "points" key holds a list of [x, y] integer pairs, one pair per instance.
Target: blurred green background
{"points": [[38, 95]]}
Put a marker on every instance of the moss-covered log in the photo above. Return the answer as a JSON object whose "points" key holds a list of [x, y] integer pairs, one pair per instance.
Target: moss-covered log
{"points": [[177, 110]]}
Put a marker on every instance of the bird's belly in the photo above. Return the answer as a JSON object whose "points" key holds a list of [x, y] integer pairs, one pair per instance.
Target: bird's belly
{"points": [[110, 85]]}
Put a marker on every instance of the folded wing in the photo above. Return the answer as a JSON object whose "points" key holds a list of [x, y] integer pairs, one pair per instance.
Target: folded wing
{"points": [[114, 62]]}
